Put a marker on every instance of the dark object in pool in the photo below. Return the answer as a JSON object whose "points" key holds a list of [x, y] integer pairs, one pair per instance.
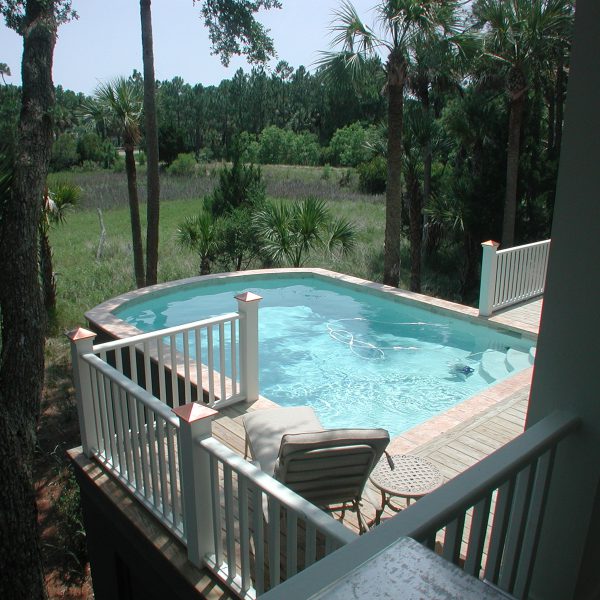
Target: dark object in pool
{"points": [[461, 369]]}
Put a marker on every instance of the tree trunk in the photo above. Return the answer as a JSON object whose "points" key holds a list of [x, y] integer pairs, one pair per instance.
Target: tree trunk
{"points": [[47, 273], [153, 199], [393, 198], [134, 212], [415, 209], [512, 168], [23, 317]]}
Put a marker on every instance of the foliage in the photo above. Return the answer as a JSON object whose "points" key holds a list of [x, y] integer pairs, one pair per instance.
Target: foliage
{"points": [[233, 30], [64, 153], [241, 185], [283, 146], [171, 143], [183, 165], [352, 145], [289, 233], [200, 234], [91, 147], [372, 175]]}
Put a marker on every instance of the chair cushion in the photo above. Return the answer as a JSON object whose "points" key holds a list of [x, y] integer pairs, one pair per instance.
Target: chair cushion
{"points": [[330, 466], [265, 428]]}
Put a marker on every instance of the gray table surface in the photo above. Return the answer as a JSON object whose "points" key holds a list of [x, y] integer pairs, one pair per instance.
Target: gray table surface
{"points": [[406, 570]]}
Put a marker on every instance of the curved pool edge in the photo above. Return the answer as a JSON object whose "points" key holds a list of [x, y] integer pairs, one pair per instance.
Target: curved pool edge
{"points": [[102, 319], [106, 324]]}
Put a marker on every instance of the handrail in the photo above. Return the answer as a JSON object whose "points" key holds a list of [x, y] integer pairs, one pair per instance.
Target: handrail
{"points": [[279, 492], [151, 335], [434, 510], [511, 275], [158, 407], [516, 478]]}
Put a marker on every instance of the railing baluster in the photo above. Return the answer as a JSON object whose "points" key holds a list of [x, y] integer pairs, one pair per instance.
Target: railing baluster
{"points": [[199, 373], [211, 365], [135, 440], [291, 544], [222, 366], [216, 507], [149, 414], [453, 539], [504, 499], [244, 533], [162, 466], [259, 538], [514, 538], [229, 520], [310, 551], [147, 368], [162, 394], [110, 419], [144, 449], [99, 386], [119, 426], [174, 378], [532, 534], [233, 350], [133, 363], [274, 535], [479, 522], [186, 366], [173, 477]]}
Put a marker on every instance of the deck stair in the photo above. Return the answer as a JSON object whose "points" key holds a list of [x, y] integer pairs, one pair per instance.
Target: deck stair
{"points": [[496, 365]]}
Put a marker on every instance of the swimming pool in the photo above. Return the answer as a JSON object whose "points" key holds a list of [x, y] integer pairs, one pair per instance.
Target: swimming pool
{"points": [[359, 357]]}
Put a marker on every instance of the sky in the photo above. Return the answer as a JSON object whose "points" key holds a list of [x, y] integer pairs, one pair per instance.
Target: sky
{"points": [[105, 41]]}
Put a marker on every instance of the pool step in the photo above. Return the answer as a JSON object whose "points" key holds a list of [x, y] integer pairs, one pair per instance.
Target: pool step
{"points": [[493, 365], [517, 360], [532, 355]]}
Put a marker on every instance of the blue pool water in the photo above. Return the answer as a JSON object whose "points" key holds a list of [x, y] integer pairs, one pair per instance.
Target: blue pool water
{"points": [[360, 359]]}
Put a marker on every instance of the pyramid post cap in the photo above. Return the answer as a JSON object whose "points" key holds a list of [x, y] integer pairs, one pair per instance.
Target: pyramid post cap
{"points": [[248, 297], [491, 243], [80, 333], [194, 411]]}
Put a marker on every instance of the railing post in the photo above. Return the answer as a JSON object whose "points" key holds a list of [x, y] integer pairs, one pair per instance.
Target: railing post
{"points": [[248, 310], [82, 342], [489, 260], [195, 422]]}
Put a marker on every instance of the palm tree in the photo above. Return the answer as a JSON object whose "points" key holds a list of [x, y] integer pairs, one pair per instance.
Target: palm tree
{"points": [[151, 136], [118, 104], [400, 22], [289, 232], [56, 204], [520, 35], [200, 234]]}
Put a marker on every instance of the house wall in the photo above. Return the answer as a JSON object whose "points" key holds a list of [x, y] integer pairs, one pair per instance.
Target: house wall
{"points": [[132, 556], [567, 369]]}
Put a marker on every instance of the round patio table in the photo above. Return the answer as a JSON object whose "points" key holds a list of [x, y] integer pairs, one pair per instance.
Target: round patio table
{"points": [[403, 476]]}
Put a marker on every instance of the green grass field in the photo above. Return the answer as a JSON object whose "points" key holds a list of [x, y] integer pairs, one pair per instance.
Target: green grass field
{"points": [[83, 281]]}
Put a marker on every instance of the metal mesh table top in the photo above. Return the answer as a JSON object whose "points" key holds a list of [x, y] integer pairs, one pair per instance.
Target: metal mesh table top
{"points": [[406, 475]]}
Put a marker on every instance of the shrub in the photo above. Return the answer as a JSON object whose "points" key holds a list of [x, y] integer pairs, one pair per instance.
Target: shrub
{"points": [[349, 145], [238, 186], [184, 164], [141, 158], [119, 165], [278, 146], [372, 176], [64, 153]]}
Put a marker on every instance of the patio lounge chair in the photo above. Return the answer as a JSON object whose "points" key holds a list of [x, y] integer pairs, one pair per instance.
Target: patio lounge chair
{"points": [[327, 467]]}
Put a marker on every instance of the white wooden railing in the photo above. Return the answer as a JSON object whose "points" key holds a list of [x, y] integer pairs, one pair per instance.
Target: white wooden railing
{"points": [[512, 275], [234, 519], [487, 520]]}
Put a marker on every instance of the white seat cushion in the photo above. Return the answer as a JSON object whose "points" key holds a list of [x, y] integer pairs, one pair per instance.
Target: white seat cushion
{"points": [[265, 428]]}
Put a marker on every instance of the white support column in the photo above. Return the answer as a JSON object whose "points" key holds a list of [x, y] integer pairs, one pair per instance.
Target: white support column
{"points": [[82, 342], [489, 260], [195, 422], [248, 309]]}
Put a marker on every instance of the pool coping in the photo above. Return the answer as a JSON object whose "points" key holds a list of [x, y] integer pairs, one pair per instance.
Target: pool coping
{"points": [[102, 318]]}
